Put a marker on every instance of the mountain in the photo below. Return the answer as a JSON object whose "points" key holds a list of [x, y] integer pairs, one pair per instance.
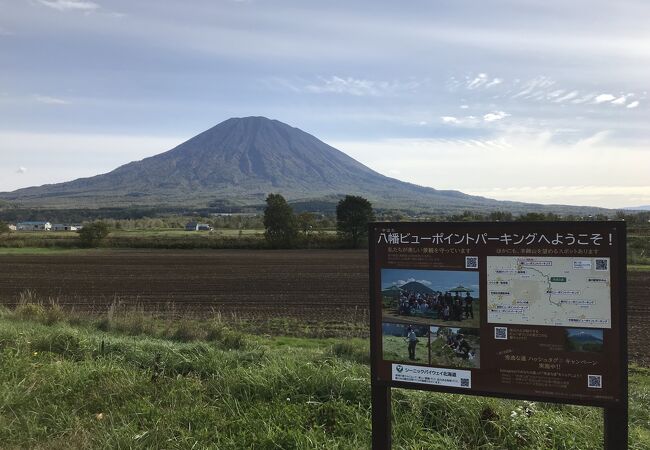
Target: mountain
{"points": [[417, 288], [239, 162], [584, 338]]}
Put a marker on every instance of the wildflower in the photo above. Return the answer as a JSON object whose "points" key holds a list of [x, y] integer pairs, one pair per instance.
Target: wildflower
{"points": [[35, 353], [99, 416]]}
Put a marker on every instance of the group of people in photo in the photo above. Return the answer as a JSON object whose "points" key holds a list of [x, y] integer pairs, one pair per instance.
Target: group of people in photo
{"points": [[459, 346], [445, 306]]}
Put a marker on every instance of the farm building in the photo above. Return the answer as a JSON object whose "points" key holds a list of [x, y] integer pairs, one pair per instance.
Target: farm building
{"points": [[62, 227], [195, 226], [34, 226], [12, 227]]}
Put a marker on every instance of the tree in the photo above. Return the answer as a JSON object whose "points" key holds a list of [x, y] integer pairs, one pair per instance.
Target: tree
{"points": [[279, 221], [92, 234], [306, 222], [352, 216], [4, 228]]}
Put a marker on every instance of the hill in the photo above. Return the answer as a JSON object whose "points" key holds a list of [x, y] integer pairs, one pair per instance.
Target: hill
{"points": [[239, 162]]}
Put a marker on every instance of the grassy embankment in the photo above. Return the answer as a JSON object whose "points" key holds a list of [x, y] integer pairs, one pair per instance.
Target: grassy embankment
{"points": [[132, 381]]}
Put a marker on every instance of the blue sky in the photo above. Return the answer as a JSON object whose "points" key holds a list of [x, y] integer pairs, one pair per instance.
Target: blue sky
{"points": [[438, 280], [540, 101]]}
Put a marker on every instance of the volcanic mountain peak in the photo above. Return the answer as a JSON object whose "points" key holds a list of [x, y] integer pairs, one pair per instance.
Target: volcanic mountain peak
{"points": [[240, 161]]}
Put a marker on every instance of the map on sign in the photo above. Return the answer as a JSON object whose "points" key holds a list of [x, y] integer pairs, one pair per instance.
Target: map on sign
{"points": [[555, 291]]}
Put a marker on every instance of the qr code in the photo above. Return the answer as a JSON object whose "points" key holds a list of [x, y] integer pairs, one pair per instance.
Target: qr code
{"points": [[595, 381], [471, 262], [601, 264], [464, 382], [500, 333]]}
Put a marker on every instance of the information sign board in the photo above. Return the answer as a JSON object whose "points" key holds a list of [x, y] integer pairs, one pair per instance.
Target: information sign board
{"points": [[533, 310]]}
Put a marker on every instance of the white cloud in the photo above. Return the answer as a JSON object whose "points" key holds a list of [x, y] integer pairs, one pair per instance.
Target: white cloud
{"points": [[50, 100], [477, 82], [584, 99], [70, 5], [425, 282], [633, 104], [360, 87], [595, 139], [602, 98], [494, 82], [21, 170], [496, 115], [620, 101], [450, 119], [566, 97], [464, 106], [534, 86]]}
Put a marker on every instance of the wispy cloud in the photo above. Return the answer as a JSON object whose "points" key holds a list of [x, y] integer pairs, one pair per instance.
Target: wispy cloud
{"points": [[477, 82], [21, 170], [595, 139], [567, 96], [50, 100], [70, 5], [482, 80], [533, 86], [360, 87], [633, 104]]}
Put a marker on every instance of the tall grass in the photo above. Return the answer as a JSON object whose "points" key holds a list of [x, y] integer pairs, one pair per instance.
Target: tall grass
{"points": [[202, 384]]}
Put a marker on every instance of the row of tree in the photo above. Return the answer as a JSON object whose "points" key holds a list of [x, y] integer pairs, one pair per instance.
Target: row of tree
{"points": [[282, 226]]}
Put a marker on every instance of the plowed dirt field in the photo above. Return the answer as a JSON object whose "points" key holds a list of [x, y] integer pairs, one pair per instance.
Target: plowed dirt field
{"points": [[315, 285]]}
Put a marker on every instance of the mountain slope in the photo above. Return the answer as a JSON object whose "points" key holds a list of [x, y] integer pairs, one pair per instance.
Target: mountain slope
{"points": [[241, 160]]}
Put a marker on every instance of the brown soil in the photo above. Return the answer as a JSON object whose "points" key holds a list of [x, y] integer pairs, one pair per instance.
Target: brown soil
{"points": [[313, 285]]}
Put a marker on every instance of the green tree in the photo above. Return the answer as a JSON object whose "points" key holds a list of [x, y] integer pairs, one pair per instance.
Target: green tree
{"points": [[281, 227], [352, 216], [91, 235], [306, 222], [4, 228]]}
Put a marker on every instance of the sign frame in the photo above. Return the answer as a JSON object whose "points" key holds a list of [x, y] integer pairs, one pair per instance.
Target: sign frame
{"points": [[615, 412]]}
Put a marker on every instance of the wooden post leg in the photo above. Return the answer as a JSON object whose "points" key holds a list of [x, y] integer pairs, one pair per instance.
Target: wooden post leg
{"points": [[616, 428], [381, 417]]}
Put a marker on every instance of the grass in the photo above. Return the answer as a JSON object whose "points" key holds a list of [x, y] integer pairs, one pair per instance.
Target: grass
{"points": [[71, 382], [639, 268], [41, 251]]}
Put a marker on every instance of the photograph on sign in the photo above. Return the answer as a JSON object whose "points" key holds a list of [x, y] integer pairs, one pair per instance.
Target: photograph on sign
{"points": [[405, 342], [584, 340], [454, 347], [431, 297]]}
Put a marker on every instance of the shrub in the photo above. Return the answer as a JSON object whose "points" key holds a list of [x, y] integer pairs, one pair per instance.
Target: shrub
{"points": [[92, 234]]}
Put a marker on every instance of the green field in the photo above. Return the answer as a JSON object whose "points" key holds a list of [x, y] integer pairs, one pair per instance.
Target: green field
{"points": [[132, 382], [395, 348]]}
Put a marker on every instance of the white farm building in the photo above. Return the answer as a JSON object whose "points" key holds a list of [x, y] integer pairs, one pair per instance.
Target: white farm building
{"points": [[34, 226]]}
